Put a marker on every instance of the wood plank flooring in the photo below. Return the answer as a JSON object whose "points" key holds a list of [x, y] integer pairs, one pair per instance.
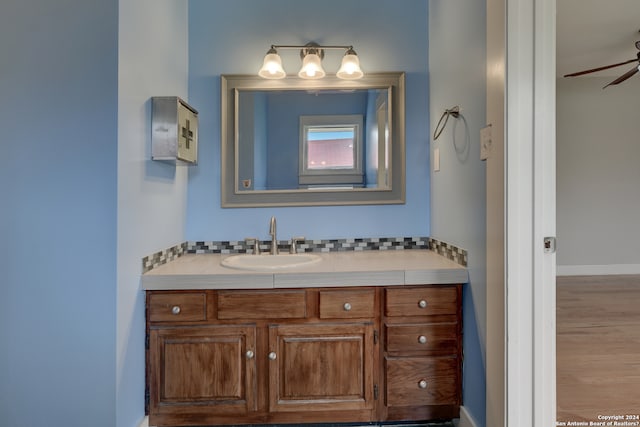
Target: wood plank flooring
{"points": [[598, 348]]}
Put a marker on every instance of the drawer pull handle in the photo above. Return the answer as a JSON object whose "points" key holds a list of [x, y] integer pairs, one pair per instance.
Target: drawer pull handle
{"points": [[175, 309], [250, 354], [422, 384], [422, 339], [422, 303], [347, 306], [273, 355]]}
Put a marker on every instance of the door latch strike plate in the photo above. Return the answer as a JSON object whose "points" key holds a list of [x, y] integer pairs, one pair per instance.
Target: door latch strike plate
{"points": [[549, 245]]}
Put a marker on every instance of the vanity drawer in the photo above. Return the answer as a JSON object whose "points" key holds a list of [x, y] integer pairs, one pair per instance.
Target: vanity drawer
{"points": [[339, 304], [177, 307], [421, 301], [433, 339], [421, 381], [262, 304]]}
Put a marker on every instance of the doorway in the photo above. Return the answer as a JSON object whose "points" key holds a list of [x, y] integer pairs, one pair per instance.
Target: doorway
{"points": [[598, 287]]}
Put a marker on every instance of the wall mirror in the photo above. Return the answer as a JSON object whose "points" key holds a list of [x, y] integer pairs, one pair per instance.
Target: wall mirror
{"points": [[296, 142]]}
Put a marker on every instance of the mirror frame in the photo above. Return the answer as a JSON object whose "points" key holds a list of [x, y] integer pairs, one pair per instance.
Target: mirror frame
{"points": [[231, 198]]}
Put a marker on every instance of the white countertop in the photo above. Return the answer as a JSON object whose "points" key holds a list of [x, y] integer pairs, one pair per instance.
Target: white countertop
{"points": [[336, 269]]}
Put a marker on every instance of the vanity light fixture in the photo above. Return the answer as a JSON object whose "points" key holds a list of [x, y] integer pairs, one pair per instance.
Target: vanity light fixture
{"points": [[272, 66], [311, 55], [311, 63], [350, 68]]}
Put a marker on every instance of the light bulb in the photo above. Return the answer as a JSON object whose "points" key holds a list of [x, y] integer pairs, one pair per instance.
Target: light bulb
{"points": [[272, 66], [311, 67], [350, 68]]}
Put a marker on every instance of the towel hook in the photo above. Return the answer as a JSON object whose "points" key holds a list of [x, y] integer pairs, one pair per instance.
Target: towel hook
{"points": [[454, 111]]}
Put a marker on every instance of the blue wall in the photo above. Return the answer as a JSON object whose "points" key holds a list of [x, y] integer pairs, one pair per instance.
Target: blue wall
{"points": [[152, 61], [457, 55], [82, 203], [232, 37], [58, 85]]}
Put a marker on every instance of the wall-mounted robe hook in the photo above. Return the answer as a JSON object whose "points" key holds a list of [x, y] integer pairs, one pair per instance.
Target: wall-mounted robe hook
{"points": [[454, 111]]}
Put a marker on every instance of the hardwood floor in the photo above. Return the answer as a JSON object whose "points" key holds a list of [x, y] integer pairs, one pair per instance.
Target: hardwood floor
{"points": [[598, 348]]}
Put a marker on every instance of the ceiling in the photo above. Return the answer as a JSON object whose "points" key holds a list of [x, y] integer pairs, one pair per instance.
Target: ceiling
{"points": [[594, 33]]}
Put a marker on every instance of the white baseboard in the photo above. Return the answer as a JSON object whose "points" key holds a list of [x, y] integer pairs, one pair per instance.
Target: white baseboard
{"points": [[466, 420], [598, 270], [144, 422]]}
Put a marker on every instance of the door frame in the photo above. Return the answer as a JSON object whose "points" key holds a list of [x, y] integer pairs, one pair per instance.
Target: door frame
{"points": [[530, 213]]}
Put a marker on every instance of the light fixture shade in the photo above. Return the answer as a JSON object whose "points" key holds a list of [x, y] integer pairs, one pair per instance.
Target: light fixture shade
{"points": [[272, 66], [311, 67], [350, 68]]}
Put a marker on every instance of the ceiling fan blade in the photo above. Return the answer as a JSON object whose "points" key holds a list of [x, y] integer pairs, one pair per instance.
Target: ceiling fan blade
{"points": [[623, 77], [606, 67]]}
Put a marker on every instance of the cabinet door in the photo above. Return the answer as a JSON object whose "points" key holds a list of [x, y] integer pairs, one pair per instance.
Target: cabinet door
{"points": [[202, 370], [321, 367]]}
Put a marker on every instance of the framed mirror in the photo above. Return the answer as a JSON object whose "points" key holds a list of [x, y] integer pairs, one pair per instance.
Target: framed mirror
{"points": [[296, 142]]}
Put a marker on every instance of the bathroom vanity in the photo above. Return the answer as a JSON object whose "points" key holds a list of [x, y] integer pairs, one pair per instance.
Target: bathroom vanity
{"points": [[356, 337]]}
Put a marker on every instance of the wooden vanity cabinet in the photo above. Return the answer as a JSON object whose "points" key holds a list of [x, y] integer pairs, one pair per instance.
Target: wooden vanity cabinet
{"points": [[292, 356], [422, 352], [255, 357]]}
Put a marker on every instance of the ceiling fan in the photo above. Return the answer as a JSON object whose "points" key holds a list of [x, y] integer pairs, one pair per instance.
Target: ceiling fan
{"points": [[620, 79]]}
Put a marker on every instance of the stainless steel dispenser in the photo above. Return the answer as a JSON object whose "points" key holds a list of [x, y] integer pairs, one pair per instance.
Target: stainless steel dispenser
{"points": [[174, 130]]}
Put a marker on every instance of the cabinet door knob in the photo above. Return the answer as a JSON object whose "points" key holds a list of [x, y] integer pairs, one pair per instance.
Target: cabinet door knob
{"points": [[422, 384], [250, 354], [347, 306], [175, 309], [422, 303], [273, 355], [422, 339]]}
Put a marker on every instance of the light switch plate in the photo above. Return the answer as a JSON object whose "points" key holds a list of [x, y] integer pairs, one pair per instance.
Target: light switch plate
{"points": [[486, 143]]}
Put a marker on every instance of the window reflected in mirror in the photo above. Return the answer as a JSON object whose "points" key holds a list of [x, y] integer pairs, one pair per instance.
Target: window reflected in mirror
{"points": [[331, 151]]}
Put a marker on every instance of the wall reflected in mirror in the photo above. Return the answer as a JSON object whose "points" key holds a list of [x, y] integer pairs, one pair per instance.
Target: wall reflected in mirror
{"points": [[312, 139]]}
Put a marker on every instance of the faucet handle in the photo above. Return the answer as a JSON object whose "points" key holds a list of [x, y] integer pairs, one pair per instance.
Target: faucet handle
{"points": [[256, 247], [293, 249]]}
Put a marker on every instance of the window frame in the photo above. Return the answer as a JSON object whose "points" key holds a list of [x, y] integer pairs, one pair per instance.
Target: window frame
{"points": [[338, 177]]}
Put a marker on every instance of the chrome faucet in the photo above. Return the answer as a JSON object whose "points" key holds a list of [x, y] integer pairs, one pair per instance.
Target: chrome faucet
{"points": [[272, 232], [256, 244], [293, 248]]}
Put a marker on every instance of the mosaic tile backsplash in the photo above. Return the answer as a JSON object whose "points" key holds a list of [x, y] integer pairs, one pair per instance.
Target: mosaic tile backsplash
{"points": [[159, 258], [338, 245]]}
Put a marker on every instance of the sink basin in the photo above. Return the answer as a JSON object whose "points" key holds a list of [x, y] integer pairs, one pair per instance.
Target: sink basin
{"points": [[269, 262]]}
